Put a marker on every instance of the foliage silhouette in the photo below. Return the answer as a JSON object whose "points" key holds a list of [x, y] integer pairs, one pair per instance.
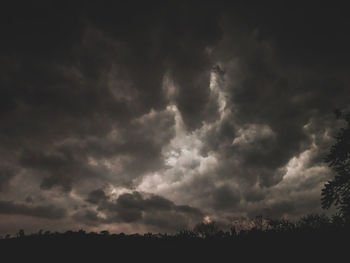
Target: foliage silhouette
{"points": [[337, 191]]}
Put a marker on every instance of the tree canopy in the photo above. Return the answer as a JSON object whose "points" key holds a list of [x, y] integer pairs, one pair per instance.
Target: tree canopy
{"points": [[337, 191]]}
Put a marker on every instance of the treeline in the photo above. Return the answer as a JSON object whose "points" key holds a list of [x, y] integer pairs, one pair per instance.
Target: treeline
{"points": [[313, 223], [312, 237]]}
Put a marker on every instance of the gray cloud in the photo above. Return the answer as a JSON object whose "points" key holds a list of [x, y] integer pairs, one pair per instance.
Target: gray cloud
{"points": [[49, 212]]}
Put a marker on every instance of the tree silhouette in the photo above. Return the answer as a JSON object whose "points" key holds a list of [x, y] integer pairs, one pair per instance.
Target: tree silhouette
{"points": [[20, 233], [337, 190], [104, 232], [206, 230]]}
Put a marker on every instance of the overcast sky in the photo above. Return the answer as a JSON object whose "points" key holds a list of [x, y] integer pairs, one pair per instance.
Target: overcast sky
{"points": [[154, 116]]}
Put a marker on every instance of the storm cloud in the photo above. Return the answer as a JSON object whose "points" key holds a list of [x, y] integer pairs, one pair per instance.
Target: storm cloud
{"points": [[138, 208], [152, 116], [49, 212]]}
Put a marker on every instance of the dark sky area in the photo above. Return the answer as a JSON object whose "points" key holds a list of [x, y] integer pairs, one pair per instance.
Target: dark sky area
{"points": [[153, 116]]}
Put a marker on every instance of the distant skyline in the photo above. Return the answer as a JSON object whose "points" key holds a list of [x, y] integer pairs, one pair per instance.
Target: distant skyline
{"points": [[154, 116]]}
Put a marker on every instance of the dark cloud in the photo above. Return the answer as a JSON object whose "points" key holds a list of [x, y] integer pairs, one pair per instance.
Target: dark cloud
{"points": [[138, 208], [306, 33], [87, 217], [254, 195], [129, 207], [58, 169], [6, 173], [225, 198], [49, 212], [98, 70], [97, 196], [274, 89]]}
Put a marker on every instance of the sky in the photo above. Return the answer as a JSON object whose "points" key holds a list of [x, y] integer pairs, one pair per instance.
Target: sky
{"points": [[153, 116]]}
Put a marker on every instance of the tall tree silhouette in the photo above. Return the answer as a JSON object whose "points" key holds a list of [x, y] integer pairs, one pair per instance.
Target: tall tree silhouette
{"points": [[337, 190]]}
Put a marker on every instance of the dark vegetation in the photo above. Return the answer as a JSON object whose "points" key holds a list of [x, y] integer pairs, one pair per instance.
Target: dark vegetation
{"points": [[312, 238], [337, 191]]}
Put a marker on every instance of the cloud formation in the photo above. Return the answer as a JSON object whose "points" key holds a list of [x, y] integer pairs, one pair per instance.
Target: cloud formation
{"points": [[173, 111]]}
